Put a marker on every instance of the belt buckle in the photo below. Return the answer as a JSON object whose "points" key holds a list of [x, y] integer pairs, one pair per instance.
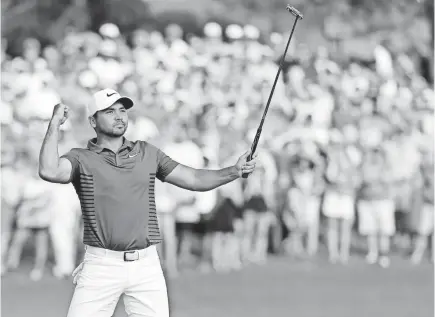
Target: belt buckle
{"points": [[130, 256]]}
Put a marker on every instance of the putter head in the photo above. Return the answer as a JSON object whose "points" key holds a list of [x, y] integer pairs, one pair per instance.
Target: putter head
{"points": [[295, 12]]}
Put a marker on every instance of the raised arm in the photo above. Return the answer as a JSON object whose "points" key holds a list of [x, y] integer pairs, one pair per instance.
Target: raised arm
{"points": [[52, 168], [202, 180]]}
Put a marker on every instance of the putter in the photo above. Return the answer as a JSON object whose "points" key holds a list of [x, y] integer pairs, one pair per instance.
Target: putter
{"points": [[298, 16]]}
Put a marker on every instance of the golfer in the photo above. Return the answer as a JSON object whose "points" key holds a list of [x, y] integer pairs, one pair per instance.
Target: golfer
{"points": [[114, 179]]}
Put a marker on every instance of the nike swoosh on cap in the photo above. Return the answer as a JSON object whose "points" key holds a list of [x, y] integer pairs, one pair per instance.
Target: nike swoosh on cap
{"points": [[103, 99]]}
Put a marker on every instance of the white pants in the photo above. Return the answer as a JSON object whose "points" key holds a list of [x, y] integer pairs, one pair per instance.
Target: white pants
{"points": [[339, 206], [104, 276], [376, 217]]}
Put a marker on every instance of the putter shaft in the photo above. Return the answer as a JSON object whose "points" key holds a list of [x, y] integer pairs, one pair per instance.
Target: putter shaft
{"points": [[281, 64]]}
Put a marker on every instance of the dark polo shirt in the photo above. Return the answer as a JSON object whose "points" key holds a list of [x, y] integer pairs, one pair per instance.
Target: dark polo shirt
{"points": [[116, 192]]}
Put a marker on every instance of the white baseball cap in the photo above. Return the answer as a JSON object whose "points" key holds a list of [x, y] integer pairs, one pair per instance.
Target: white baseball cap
{"points": [[105, 98]]}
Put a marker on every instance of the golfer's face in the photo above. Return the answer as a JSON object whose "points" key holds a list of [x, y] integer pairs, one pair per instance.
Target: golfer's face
{"points": [[112, 121]]}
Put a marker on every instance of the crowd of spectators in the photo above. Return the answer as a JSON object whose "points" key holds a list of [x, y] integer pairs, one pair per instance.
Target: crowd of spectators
{"points": [[347, 145]]}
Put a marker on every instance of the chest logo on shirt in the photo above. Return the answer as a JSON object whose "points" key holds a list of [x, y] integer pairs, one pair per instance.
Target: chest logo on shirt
{"points": [[132, 155]]}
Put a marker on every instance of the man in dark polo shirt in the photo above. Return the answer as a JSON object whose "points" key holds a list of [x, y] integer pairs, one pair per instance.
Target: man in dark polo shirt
{"points": [[115, 179]]}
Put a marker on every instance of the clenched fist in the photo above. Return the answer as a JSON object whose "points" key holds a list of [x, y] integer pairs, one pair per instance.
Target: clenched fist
{"points": [[60, 114]]}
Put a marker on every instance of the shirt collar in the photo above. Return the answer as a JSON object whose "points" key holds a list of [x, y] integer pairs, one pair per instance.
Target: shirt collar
{"points": [[93, 146]]}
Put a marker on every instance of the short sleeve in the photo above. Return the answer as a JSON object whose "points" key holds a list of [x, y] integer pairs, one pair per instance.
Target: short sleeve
{"points": [[73, 157], [165, 165]]}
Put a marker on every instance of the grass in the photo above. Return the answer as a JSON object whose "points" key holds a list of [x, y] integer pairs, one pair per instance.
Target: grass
{"points": [[283, 287]]}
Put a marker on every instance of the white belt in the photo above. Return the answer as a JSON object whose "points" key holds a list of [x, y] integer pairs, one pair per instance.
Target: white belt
{"points": [[126, 256]]}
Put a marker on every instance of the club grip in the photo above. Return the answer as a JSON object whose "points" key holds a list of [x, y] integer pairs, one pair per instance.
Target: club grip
{"points": [[254, 144], [253, 148]]}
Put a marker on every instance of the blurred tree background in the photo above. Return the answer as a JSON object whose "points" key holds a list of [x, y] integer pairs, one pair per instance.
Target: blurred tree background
{"points": [[352, 26]]}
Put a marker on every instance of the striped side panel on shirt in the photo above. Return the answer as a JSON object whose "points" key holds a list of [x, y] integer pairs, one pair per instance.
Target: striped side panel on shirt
{"points": [[153, 225], [87, 202]]}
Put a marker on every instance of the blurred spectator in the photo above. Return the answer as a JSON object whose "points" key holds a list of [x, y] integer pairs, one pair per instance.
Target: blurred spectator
{"points": [[226, 225], [185, 211], [11, 188], [33, 219], [342, 182], [376, 207], [304, 201], [64, 229], [205, 203], [258, 212], [425, 222]]}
